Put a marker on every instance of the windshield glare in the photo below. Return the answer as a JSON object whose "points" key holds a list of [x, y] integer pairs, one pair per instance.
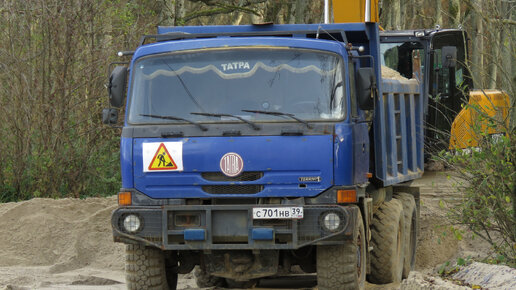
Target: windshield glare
{"points": [[305, 83]]}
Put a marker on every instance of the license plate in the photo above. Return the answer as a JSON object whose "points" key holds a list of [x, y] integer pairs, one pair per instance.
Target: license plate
{"points": [[293, 212]]}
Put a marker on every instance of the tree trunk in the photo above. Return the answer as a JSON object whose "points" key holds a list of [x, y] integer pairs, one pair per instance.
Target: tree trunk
{"points": [[455, 13], [396, 14], [179, 12], [417, 21], [167, 12], [257, 19], [404, 21], [292, 12], [385, 17], [507, 48], [496, 43], [300, 10], [238, 18], [438, 14], [478, 46]]}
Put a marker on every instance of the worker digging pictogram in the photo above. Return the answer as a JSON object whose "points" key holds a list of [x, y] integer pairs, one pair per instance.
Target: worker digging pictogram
{"points": [[162, 160]]}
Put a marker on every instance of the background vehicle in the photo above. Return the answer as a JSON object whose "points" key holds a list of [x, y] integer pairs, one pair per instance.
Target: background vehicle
{"points": [[246, 150], [442, 55], [447, 81]]}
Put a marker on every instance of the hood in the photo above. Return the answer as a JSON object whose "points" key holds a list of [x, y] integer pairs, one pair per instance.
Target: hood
{"points": [[263, 166]]}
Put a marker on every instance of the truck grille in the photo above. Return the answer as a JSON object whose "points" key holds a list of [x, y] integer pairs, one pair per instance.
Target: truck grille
{"points": [[245, 176], [232, 189]]}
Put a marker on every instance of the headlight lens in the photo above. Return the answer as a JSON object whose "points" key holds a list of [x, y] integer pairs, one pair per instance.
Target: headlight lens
{"points": [[331, 221], [132, 223]]}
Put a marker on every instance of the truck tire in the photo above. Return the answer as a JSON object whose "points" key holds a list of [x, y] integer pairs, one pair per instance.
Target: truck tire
{"points": [[343, 266], [205, 280], [387, 239], [145, 269], [411, 228]]}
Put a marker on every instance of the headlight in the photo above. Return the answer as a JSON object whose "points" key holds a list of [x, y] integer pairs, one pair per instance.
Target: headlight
{"points": [[132, 223], [331, 221]]}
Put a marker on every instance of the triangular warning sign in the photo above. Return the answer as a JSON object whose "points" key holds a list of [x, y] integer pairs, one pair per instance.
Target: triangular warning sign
{"points": [[162, 160]]}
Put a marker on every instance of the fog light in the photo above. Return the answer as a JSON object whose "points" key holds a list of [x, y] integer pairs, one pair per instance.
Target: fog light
{"points": [[132, 223], [331, 221]]}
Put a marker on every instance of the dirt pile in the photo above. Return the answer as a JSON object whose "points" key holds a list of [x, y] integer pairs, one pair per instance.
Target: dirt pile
{"points": [[389, 73], [488, 276], [420, 281], [65, 234]]}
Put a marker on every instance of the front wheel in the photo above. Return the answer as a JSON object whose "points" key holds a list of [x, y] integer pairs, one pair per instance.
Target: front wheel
{"points": [[145, 269], [343, 266]]}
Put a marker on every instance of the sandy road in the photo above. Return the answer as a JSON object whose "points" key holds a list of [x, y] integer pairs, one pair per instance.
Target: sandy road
{"points": [[25, 278], [67, 244]]}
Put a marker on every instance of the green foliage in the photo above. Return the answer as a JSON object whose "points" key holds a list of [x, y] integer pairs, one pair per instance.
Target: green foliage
{"points": [[449, 268], [487, 176], [53, 64], [442, 269]]}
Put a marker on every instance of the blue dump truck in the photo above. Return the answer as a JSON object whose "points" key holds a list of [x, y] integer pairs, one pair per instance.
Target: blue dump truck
{"points": [[262, 150]]}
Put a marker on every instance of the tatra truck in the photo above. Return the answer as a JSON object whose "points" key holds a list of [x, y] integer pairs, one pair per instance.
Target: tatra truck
{"points": [[256, 151]]}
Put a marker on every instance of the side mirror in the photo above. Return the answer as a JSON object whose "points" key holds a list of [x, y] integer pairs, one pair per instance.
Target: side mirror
{"points": [[110, 116], [449, 56], [116, 87], [366, 84]]}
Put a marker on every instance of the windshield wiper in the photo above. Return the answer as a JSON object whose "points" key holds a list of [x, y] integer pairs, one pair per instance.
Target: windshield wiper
{"points": [[280, 114], [176, 119], [184, 87], [333, 92], [253, 125]]}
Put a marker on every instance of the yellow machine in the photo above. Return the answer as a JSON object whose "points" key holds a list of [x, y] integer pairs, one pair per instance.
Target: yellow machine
{"points": [[345, 11], [483, 105], [445, 78]]}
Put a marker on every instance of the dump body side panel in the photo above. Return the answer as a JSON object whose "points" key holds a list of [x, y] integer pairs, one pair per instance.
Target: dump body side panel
{"points": [[399, 134]]}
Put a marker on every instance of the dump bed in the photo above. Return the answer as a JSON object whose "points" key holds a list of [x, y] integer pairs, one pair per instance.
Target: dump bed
{"points": [[398, 132]]}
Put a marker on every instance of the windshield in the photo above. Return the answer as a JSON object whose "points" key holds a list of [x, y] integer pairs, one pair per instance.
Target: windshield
{"points": [[305, 83]]}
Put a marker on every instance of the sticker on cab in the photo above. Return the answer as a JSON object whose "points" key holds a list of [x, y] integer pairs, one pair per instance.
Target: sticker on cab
{"points": [[163, 156]]}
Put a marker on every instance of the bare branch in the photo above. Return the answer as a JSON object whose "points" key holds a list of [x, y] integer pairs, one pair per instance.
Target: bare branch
{"points": [[223, 8]]}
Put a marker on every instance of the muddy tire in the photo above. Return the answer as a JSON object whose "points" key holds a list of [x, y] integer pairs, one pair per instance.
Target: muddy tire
{"points": [[204, 280], [411, 228], [145, 269], [343, 266], [387, 239]]}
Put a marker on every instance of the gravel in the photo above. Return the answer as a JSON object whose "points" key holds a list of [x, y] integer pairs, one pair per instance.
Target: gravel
{"points": [[488, 276]]}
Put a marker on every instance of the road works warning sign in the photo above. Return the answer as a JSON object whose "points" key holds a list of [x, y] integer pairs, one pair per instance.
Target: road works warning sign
{"points": [[163, 156]]}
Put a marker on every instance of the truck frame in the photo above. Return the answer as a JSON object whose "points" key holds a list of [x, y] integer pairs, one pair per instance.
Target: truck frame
{"points": [[249, 149]]}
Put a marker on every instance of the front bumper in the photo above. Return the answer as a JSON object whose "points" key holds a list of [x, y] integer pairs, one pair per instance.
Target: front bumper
{"points": [[231, 227]]}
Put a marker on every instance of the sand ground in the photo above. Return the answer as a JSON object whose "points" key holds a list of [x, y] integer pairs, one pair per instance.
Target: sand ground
{"points": [[67, 244]]}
